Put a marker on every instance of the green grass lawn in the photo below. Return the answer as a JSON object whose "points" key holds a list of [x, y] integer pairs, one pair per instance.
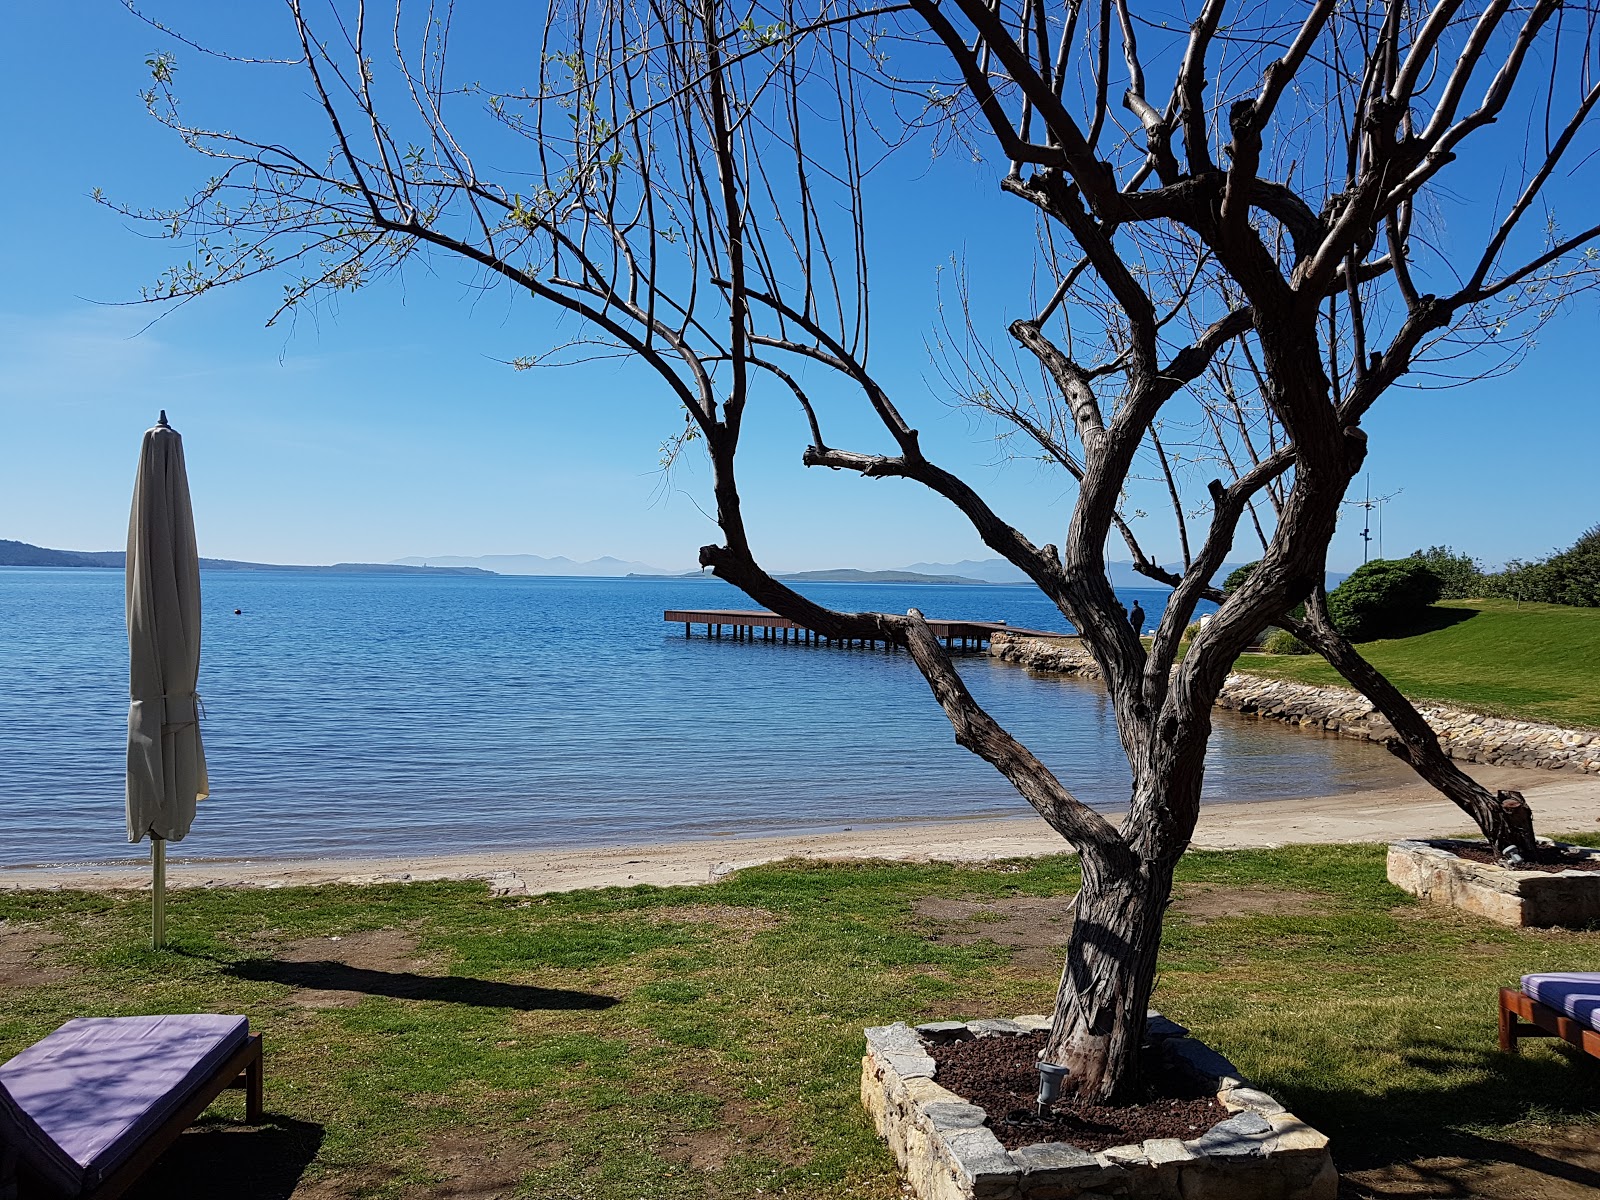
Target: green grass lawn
{"points": [[706, 1042], [1531, 661]]}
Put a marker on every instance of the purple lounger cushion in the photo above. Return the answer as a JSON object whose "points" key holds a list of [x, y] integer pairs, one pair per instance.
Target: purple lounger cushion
{"points": [[1575, 993], [80, 1102]]}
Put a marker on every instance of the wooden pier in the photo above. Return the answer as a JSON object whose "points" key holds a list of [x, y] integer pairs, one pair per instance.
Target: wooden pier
{"points": [[743, 626]]}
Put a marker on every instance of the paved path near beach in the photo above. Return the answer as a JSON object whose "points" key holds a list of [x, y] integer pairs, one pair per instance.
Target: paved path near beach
{"points": [[1562, 803]]}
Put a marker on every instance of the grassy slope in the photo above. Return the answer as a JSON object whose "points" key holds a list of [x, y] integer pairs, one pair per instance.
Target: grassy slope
{"points": [[728, 1065], [1533, 661]]}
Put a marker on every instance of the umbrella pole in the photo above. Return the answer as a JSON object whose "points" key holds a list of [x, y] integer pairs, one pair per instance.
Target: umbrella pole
{"points": [[158, 866]]}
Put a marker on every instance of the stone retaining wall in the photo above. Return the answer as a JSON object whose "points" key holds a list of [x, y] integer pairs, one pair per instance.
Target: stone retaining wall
{"points": [[946, 1150], [1433, 871], [1469, 736], [1064, 656]]}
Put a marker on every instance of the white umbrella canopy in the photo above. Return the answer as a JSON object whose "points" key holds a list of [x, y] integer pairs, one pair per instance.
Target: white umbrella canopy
{"points": [[166, 763]]}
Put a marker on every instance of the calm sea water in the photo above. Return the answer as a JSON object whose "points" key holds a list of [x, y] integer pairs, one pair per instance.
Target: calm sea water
{"points": [[370, 714]]}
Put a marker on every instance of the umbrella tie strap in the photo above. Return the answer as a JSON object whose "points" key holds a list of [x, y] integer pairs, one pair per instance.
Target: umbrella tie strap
{"points": [[182, 710], [178, 711]]}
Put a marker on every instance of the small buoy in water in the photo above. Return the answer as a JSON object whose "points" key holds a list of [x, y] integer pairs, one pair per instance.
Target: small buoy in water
{"points": [[238, 612]]}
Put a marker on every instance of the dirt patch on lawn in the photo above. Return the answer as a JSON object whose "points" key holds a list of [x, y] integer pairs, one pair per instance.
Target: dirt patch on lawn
{"points": [[474, 1165], [20, 965], [339, 1184], [1033, 928], [741, 1129], [389, 951], [470, 1163], [1203, 903], [1561, 1165], [702, 1150]]}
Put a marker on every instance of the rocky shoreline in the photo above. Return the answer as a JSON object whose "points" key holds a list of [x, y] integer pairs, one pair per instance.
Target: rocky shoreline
{"points": [[1467, 736]]}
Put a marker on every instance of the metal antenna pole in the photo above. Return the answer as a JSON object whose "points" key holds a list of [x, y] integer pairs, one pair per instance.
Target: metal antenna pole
{"points": [[1366, 527], [1367, 504]]}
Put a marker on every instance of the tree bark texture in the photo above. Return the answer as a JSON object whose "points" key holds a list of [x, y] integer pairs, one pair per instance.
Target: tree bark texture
{"points": [[1099, 1020]]}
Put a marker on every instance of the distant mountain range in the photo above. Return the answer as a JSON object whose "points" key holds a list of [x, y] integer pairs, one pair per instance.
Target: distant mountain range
{"points": [[998, 570], [840, 575], [21, 554], [967, 571], [1122, 573], [850, 575], [532, 564]]}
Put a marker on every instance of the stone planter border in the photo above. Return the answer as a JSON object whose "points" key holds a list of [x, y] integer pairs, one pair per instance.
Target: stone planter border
{"points": [[946, 1151], [1431, 870]]}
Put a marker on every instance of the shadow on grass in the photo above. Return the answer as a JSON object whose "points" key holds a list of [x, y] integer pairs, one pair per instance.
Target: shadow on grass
{"points": [[225, 1162], [1407, 1124], [1430, 620], [405, 985]]}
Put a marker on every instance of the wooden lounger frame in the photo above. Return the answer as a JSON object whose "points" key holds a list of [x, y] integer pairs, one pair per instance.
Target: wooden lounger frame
{"points": [[1543, 1021], [243, 1069]]}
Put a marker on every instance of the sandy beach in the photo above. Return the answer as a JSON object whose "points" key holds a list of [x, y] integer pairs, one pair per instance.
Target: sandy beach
{"points": [[1562, 802]]}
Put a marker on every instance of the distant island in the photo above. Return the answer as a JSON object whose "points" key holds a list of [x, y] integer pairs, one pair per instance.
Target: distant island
{"points": [[605, 567], [21, 554], [841, 575]]}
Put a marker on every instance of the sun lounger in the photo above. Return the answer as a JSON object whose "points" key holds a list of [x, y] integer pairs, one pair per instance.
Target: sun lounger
{"points": [[1564, 1005], [89, 1108]]}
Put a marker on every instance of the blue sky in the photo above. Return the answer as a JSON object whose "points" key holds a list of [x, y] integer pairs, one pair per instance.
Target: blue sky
{"points": [[388, 425]]}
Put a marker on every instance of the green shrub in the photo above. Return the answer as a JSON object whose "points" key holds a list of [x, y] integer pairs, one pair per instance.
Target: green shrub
{"points": [[1238, 575], [1381, 597], [1460, 577], [1571, 577], [1281, 641]]}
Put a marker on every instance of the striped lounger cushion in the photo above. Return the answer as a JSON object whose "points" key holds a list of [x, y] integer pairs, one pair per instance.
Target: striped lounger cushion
{"points": [[80, 1103], [1575, 994]]}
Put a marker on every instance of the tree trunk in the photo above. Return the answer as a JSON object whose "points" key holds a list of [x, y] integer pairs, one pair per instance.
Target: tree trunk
{"points": [[1111, 971]]}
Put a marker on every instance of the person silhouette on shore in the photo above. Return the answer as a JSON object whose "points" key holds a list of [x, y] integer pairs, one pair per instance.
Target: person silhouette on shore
{"points": [[1136, 618]]}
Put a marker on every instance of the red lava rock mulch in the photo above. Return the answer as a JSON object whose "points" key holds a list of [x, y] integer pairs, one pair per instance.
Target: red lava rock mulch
{"points": [[1550, 858], [998, 1075]]}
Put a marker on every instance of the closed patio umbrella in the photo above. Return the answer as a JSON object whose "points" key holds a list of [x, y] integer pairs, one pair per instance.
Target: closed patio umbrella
{"points": [[166, 764]]}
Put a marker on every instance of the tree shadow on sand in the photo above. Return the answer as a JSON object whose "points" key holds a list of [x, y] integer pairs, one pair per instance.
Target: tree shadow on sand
{"points": [[1404, 1125], [407, 985], [230, 1162]]}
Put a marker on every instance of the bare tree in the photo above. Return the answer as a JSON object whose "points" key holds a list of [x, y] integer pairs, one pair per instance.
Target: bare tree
{"points": [[1236, 266]]}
